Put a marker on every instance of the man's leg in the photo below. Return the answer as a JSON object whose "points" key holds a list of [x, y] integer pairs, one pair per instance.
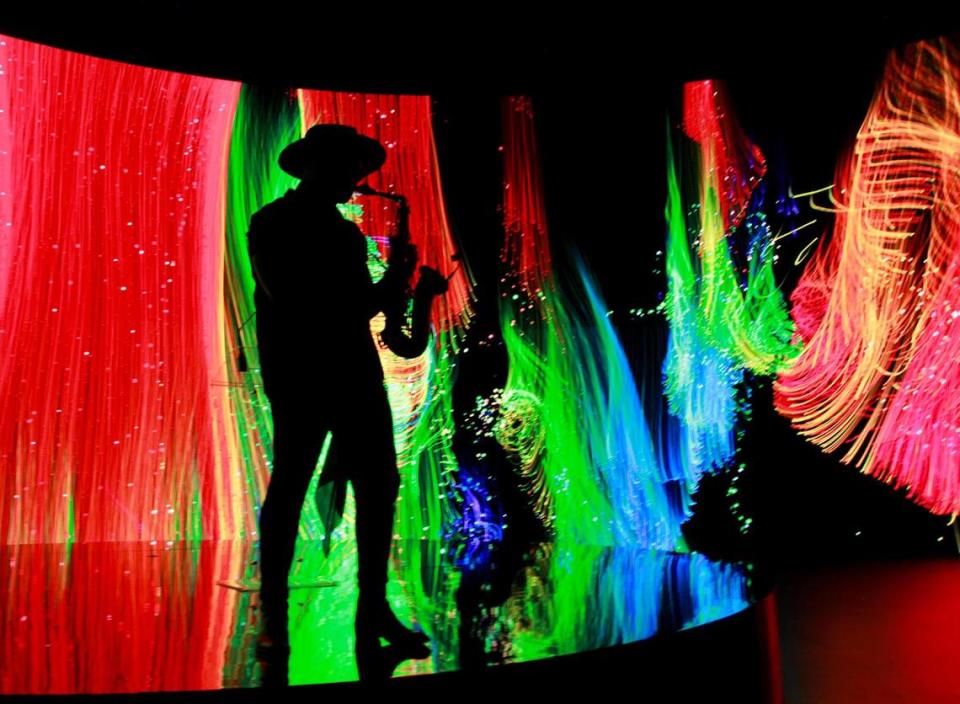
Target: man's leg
{"points": [[297, 441], [376, 484]]}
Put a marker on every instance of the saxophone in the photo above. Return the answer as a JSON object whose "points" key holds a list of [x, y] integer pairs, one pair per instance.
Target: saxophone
{"points": [[431, 284]]}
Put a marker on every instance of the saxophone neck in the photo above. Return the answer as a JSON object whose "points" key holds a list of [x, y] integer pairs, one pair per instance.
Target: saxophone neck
{"points": [[403, 219], [365, 190]]}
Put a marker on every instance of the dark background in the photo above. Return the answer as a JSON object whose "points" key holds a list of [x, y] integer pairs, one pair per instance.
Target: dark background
{"points": [[603, 86]]}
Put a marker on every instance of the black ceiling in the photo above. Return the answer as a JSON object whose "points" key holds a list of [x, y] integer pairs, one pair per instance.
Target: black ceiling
{"points": [[461, 48]]}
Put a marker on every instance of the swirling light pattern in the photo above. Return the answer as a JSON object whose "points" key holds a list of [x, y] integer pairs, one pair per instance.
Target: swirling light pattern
{"points": [[878, 303]]}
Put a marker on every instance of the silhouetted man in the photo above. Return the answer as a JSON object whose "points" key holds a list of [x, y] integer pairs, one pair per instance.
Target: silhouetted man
{"points": [[321, 370]]}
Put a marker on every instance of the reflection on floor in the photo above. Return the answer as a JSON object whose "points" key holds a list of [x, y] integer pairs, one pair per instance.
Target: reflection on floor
{"points": [[871, 632], [112, 617]]}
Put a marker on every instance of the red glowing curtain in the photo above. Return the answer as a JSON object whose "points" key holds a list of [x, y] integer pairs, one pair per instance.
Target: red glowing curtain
{"points": [[112, 425], [526, 246], [739, 164]]}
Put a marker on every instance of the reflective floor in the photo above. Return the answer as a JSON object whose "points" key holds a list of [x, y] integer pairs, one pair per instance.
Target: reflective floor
{"points": [[139, 617], [871, 632]]}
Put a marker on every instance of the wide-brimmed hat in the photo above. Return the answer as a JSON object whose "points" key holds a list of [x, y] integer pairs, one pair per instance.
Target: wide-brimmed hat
{"points": [[336, 148]]}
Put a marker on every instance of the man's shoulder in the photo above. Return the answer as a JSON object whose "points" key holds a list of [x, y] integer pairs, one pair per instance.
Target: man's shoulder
{"points": [[273, 211], [271, 218]]}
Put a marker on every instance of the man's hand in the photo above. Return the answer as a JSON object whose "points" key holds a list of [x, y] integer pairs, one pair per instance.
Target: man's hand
{"points": [[431, 282], [402, 260]]}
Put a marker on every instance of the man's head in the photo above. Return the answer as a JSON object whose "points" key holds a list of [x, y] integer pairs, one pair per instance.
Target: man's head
{"points": [[331, 160]]}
